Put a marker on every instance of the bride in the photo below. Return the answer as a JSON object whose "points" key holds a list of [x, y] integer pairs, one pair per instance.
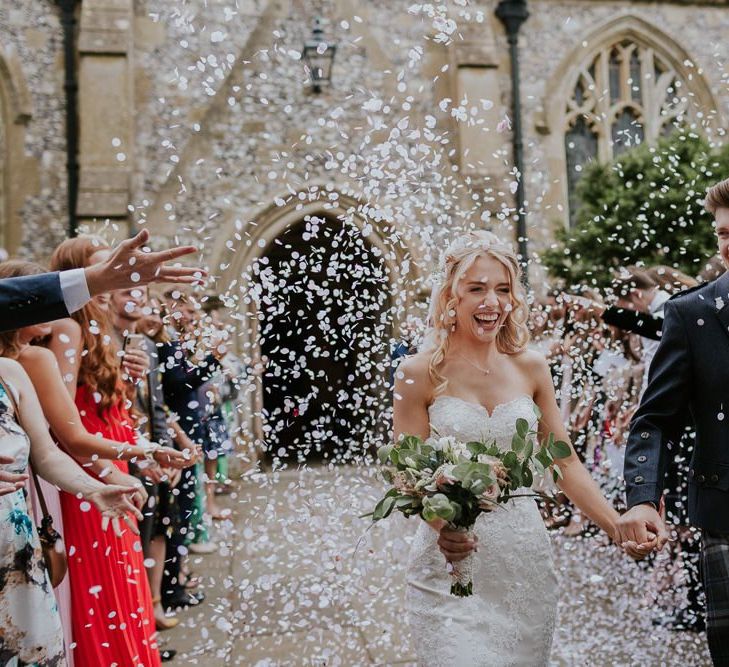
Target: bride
{"points": [[472, 379]]}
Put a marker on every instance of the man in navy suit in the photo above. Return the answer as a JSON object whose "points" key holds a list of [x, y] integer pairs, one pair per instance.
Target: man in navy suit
{"points": [[50, 296], [688, 382]]}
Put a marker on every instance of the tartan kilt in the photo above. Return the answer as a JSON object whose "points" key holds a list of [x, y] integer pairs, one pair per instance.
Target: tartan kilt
{"points": [[715, 570]]}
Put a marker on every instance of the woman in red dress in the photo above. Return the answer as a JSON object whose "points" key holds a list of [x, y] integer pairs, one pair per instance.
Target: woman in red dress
{"points": [[111, 604]]}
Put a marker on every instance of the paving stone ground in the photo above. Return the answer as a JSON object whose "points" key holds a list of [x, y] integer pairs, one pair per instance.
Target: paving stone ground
{"points": [[299, 580]]}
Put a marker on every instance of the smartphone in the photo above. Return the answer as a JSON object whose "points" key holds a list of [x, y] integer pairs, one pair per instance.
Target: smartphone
{"points": [[134, 342]]}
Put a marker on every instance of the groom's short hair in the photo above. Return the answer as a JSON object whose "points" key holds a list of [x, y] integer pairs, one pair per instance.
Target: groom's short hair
{"points": [[717, 196]]}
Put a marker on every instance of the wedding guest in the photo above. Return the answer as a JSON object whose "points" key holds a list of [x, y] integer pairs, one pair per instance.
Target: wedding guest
{"points": [[217, 443], [185, 368], [177, 580], [30, 623], [406, 344], [161, 511], [110, 579], [636, 290], [583, 395]]}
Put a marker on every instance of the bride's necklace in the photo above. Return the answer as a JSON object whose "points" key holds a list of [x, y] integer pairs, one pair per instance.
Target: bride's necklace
{"points": [[485, 371]]}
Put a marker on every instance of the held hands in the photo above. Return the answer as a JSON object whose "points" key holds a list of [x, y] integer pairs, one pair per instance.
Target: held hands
{"points": [[115, 504], [10, 482], [456, 545], [640, 531]]}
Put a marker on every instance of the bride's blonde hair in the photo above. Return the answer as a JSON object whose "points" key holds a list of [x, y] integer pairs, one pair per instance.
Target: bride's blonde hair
{"points": [[513, 335]]}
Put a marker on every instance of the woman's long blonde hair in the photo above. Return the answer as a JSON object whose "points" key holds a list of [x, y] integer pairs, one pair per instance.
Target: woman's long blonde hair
{"points": [[458, 258]]}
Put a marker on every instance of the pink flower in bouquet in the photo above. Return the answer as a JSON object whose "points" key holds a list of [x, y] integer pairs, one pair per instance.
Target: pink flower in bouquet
{"points": [[499, 469], [488, 499], [443, 476]]}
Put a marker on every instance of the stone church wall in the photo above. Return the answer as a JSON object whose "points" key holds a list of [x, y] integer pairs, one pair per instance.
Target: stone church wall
{"points": [[224, 124], [31, 41]]}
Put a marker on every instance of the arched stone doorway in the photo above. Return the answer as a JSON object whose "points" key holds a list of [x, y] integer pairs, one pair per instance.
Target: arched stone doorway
{"points": [[273, 236], [324, 331]]}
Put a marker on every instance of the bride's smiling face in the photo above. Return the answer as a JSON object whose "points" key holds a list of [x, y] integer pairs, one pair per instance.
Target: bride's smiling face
{"points": [[484, 298]]}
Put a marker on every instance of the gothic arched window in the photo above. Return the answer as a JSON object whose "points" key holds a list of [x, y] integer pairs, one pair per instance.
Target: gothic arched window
{"points": [[627, 94]]}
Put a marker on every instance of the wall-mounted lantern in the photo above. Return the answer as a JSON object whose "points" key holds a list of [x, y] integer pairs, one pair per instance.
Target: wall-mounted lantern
{"points": [[318, 56]]}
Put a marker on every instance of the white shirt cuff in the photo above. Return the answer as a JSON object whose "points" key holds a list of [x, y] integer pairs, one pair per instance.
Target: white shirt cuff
{"points": [[74, 289]]}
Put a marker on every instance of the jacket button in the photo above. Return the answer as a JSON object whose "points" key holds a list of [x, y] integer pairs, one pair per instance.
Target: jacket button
{"points": [[638, 479], [642, 459], [645, 435], [692, 472], [701, 479], [715, 478]]}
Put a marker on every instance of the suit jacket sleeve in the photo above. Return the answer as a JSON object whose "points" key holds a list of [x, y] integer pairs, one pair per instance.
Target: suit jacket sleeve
{"points": [[662, 414], [643, 324], [28, 300], [179, 375]]}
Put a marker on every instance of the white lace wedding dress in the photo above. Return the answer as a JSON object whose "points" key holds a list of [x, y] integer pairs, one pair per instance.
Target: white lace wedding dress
{"points": [[509, 620]]}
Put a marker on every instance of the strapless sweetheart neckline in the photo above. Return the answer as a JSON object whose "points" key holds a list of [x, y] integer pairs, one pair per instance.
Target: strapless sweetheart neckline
{"points": [[489, 413]]}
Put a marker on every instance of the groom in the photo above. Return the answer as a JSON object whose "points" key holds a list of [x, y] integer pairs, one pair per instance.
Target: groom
{"points": [[689, 381]]}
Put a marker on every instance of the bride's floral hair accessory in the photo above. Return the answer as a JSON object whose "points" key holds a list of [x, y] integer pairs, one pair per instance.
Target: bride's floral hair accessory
{"points": [[455, 262]]}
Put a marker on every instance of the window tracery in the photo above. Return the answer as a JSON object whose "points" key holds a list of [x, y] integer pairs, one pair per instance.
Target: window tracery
{"points": [[627, 94]]}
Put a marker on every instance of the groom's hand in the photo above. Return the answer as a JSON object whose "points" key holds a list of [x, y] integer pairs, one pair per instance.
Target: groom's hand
{"points": [[641, 530]]}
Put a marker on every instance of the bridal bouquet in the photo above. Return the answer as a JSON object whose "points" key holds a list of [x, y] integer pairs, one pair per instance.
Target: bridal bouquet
{"points": [[442, 478]]}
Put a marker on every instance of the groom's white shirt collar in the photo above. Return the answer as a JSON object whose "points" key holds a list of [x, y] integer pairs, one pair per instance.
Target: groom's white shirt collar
{"points": [[659, 300]]}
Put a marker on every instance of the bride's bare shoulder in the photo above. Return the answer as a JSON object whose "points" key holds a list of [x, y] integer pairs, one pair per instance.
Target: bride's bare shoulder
{"points": [[412, 375], [415, 364]]}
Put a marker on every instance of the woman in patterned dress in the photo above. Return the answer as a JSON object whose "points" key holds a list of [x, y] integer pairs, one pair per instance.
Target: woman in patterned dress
{"points": [[30, 625]]}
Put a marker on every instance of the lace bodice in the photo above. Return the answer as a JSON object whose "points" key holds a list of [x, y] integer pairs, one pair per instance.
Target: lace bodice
{"points": [[465, 420], [509, 621]]}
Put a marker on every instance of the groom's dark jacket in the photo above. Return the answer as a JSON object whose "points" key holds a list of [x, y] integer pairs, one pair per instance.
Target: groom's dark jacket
{"points": [[688, 383]]}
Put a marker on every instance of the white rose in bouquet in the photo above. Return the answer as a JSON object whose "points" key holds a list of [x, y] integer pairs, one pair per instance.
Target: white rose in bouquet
{"points": [[456, 452]]}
